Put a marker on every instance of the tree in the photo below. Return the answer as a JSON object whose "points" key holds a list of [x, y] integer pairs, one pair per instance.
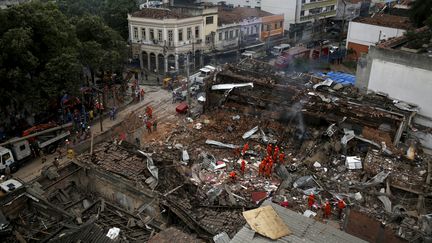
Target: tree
{"points": [[32, 35], [420, 11]]}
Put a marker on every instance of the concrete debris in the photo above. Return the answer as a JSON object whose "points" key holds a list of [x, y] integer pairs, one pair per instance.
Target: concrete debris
{"points": [[250, 132], [353, 162], [230, 86], [223, 145]]}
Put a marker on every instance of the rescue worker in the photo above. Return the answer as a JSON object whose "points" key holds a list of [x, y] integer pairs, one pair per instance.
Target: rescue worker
{"points": [[311, 200], [56, 163], [341, 205], [282, 158], [269, 149], [245, 148], [327, 210], [269, 167], [149, 126], [262, 167], [232, 176], [243, 167], [149, 112], [7, 172], [142, 94]]}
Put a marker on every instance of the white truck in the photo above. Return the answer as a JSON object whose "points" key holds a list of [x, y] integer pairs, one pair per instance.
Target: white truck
{"points": [[17, 150], [277, 50], [202, 74]]}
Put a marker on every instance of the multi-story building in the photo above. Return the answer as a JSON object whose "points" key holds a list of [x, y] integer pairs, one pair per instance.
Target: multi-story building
{"points": [[246, 26], [366, 32], [294, 11], [162, 38]]}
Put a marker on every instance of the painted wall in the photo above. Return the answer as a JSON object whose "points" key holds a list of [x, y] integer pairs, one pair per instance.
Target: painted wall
{"points": [[369, 35], [237, 3], [403, 82], [286, 7]]}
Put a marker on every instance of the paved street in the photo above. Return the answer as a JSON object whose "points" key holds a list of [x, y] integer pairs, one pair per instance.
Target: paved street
{"points": [[156, 97]]}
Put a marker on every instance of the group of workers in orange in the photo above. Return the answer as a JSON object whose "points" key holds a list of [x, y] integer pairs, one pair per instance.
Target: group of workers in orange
{"points": [[274, 155], [327, 208]]}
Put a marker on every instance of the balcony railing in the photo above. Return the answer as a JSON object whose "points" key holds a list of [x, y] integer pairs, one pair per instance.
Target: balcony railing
{"points": [[319, 16], [306, 6]]}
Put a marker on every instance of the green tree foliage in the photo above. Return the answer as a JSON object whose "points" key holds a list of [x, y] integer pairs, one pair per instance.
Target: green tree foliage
{"points": [[32, 36], [43, 53], [113, 12], [420, 11]]}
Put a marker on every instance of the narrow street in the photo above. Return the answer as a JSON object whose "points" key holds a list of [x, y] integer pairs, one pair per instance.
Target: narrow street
{"points": [[163, 109]]}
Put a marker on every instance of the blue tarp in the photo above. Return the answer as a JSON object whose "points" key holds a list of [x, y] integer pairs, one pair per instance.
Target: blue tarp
{"points": [[339, 77]]}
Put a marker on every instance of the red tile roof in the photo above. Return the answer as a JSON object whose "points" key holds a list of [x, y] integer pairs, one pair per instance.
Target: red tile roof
{"points": [[229, 16]]}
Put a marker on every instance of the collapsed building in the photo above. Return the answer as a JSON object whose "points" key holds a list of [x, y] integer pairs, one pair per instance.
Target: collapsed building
{"points": [[339, 144]]}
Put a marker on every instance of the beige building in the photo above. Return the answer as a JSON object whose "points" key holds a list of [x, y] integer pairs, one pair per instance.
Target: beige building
{"points": [[162, 38]]}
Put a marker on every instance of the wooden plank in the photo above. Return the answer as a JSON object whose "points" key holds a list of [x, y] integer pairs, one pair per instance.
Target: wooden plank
{"points": [[266, 221]]}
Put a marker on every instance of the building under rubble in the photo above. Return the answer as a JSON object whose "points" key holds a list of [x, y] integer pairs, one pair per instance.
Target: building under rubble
{"points": [[338, 144]]}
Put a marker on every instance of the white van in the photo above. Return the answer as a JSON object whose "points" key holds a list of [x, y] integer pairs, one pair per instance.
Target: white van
{"points": [[249, 54], [277, 50]]}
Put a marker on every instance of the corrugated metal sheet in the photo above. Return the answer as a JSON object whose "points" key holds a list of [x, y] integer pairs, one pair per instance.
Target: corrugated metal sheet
{"points": [[304, 230]]}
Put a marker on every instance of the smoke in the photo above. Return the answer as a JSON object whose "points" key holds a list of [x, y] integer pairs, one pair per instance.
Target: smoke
{"points": [[295, 115]]}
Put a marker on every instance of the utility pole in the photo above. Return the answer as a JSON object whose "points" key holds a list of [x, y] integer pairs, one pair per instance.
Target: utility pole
{"points": [[188, 84], [343, 24]]}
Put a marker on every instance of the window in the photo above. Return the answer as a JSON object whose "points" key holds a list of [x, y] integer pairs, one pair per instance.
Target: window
{"points": [[256, 28], [280, 24], [231, 34], [180, 35], [189, 33], [332, 7], [143, 34], [267, 27], [135, 33], [220, 36], [302, 13], [209, 20], [247, 30], [151, 34], [237, 33], [226, 35], [5, 157], [197, 32], [303, 1], [159, 35], [170, 36]]}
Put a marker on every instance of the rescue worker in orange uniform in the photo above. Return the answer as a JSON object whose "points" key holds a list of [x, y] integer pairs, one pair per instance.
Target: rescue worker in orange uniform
{"points": [[149, 112], [311, 200], [245, 148], [282, 158], [269, 149], [269, 167], [243, 167], [232, 176], [262, 167], [341, 206], [327, 210]]}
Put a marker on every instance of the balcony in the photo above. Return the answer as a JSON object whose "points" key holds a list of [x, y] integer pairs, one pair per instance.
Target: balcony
{"points": [[320, 4], [319, 16]]}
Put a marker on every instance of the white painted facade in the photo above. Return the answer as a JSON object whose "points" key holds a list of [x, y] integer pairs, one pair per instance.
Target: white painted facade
{"points": [[227, 37], [369, 35], [163, 41], [404, 83], [237, 3]]}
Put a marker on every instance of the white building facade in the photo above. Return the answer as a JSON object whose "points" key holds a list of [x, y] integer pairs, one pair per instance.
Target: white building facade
{"points": [[162, 39]]}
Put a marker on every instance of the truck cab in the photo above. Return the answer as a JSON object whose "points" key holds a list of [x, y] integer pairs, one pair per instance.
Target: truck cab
{"points": [[278, 50], [12, 155], [6, 160]]}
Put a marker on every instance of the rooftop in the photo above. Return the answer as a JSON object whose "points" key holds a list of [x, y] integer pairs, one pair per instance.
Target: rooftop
{"points": [[386, 20], [233, 15], [159, 13], [303, 230]]}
